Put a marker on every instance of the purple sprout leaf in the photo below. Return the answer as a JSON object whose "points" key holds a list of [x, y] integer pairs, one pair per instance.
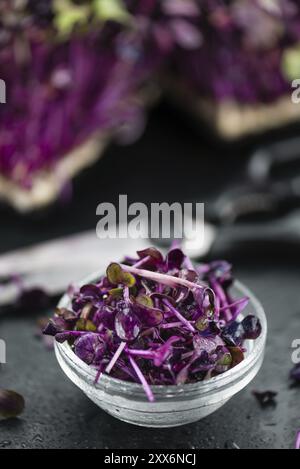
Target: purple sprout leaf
{"points": [[128, 280], [65, 336], [237, 356], [117, 276], [63, 320], [52, 329], [165, 350], [12, 404], [252, 327], [116, 292], [233, 334], [35, 299], [149, 317], [202, 324], [91, 291], [85, 325], [265, 398], [90, 348], [154, 254], [295, 374], [114, 273], [206, 344], [127, 324], [174, 259], [144, 300]]}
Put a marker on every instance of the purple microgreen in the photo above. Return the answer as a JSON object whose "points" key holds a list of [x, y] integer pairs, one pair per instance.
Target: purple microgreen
{"points": [[217, 288], [62, 337], [167, 323], [174, 259], [237, 356], [164, 279], [142, 379], [12, 404], [164, 351], [295, 374], [297, 445], [85, 325], [115, 357], [148, 316], [202, 324], [145, 300], [252, 327], [179, 316], [116, 292], [128, 280], [171, 325], [151, 253], [117, 276], [236, 308], [206, 344], [86, 311], [142, 262], [127, 324], [265, 398], [90, 348], [231, 445]]}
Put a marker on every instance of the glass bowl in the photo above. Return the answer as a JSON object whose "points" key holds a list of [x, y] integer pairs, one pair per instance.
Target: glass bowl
{"points": [[174, 405]]}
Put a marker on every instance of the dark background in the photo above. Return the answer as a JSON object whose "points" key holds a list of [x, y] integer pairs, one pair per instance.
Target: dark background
{"points": [[172, 162]]}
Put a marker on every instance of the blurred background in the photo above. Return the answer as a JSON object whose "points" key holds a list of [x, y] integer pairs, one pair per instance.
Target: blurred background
{"points": [[165, 101]]}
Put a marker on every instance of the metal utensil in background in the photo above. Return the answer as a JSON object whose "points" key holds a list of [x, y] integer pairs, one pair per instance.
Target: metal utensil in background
{"points": [[270, 186], [261, 206]]}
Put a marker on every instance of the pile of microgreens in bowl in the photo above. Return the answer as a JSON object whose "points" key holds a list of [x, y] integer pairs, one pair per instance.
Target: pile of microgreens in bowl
{"points": [[157, 320]]}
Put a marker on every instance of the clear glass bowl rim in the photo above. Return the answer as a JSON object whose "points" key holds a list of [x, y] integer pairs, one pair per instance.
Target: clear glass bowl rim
{"points": [[125, 388]]}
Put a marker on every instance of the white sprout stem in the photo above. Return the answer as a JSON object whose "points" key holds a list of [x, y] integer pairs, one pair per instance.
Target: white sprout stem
{"points": [[115, 358], [165, 279], [170, 325], [239, 304], [179, 316], [224, 305], [142, 262], [141, 353], [126, 294], [142, 379]]}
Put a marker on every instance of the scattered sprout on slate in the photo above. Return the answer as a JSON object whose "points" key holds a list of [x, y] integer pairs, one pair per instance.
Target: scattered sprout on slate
{"points": [[158, 320], [26, 299], [231, 445], [12, 404], [298, 440], [295, 374], [266, 398]]}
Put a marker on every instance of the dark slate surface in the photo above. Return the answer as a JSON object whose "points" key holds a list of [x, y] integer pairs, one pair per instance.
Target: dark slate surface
{"points": [[57, 414]]}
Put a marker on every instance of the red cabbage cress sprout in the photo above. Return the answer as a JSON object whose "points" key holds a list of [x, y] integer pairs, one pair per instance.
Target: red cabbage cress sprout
{"points": [[298, 440], [157, 320]]}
